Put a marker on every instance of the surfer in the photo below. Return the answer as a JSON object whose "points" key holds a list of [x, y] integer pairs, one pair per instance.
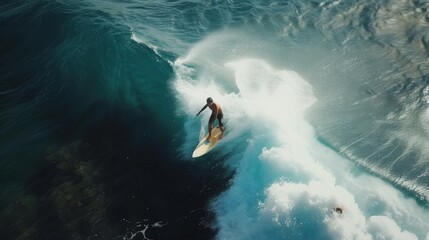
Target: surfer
{"points": [[216, 114], [338, 209]]}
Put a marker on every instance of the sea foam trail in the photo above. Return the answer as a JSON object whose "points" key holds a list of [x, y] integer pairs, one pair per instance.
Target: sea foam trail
{"points": [[287, 183]]}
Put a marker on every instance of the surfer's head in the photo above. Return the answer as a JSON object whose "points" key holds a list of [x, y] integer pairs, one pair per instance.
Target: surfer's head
{"points": [[209, 100], [338, 210]]}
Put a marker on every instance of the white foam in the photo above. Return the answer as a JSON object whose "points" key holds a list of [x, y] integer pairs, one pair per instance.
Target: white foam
{"points": [[141, 40], [286, 183], [383, 227]]}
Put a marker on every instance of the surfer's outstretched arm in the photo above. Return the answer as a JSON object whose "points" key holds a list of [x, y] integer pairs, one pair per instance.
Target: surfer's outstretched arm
{"points": [[202, 109]]}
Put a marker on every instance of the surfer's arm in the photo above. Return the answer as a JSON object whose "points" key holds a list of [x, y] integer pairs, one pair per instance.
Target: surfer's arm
{"points": [[202, 109]]}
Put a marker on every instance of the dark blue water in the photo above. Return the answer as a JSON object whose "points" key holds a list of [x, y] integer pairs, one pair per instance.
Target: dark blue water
{"points": [[97, 119], [88, 131]]}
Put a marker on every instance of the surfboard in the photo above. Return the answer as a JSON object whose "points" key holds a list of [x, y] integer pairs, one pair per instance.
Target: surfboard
{"points": [[204, 147]]}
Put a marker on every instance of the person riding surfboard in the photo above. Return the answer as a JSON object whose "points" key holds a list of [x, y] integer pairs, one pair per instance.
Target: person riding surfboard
{"points": [[216, 114]]}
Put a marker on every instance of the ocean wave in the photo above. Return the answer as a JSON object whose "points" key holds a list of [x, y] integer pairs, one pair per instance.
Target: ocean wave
{"points": [[293, 77], [286, 184]]}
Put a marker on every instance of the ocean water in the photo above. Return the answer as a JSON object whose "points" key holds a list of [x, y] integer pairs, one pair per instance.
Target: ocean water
{"points": [[326, 106]]}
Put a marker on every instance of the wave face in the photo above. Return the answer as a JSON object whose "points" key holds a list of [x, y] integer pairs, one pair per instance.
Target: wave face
{"points": [[325, 102], [288, 181]]}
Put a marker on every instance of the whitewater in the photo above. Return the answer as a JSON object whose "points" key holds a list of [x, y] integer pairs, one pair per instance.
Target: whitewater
{"points": [[312, 125], [287, 181], [326, 109]]}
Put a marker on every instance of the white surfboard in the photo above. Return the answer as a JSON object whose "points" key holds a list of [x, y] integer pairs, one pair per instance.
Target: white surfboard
{"points": [[204, 146]]}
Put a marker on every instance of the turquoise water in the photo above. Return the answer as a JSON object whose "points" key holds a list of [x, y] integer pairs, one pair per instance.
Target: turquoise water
{"points": [[325, 103]]}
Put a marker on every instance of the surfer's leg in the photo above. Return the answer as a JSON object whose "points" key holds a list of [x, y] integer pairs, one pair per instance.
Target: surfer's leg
{"points": [[222, 128], [209, 128]]}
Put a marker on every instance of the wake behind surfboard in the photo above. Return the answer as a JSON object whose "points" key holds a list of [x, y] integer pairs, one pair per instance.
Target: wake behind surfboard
{"points": [[204, 147]]}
